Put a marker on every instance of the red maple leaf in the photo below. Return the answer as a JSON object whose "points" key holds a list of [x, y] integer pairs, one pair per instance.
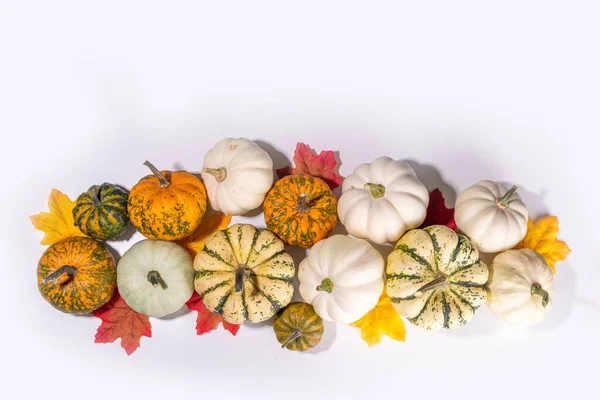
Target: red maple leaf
{"points": [[437, 213], [208, 321], [322, 166], [120, 321]]}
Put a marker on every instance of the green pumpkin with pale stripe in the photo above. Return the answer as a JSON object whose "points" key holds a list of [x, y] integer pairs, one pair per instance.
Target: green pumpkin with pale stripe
{"points": [[243, 273], [101, 212], [435, 278]]}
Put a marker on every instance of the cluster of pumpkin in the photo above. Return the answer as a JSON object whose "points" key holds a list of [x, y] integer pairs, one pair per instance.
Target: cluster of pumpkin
{"points": [[434, 276]]}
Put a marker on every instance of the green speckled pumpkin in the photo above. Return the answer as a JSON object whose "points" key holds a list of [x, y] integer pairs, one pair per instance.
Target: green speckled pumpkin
{"points": [[101, 212], [435, 278], [298, 327], [243, 273]]}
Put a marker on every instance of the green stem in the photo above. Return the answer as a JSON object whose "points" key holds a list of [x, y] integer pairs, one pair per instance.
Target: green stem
{"points": [[325, 286], [96, 197], [438, 282], [65, 269], [220, 174], [161, 178], [502, 202], [155, 279], [536, 290], [239, 278], [377, 190], [297, 333]]}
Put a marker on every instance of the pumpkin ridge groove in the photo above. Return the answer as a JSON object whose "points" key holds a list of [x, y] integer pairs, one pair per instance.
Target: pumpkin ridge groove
{"points": [[411, 252], [269, 259], [213, 288], [446, 310], [253, 246], [462, 300], [275, 305], [422, 309], [217, 256], [468, 284], [219, 307]]}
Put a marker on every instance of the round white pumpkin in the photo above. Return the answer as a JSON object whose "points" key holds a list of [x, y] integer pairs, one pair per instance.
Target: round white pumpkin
{"points": [[342, 278], [521, 287], [155, 277], [237, 174], [382, 200], [491, 215]]}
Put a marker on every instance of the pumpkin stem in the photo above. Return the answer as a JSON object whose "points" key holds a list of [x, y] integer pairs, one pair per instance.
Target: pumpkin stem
{"points": [[220, 174], [302, 205], [161, 178], [96, 197], [155, 279], [239, 278], [536, 289], [502, 202], [325, 286], [65, 269], [438, 282], [377, 190], [297, 333]]}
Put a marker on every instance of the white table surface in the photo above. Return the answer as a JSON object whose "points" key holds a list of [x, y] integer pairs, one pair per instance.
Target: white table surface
{"points": [[465, 90]]}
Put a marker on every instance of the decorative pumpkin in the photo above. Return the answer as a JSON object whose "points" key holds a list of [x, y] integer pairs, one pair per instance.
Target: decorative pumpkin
{"points": [[435, 278], [300, 210], [77, 275], [382, 200], [491, 215], [243, 273], [101, 212], [521, 287], [298, 327], [237, 174], [342, 278], [155, 277], [167, 205]]}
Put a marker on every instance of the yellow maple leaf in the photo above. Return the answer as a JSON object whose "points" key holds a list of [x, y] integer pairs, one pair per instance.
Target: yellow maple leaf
{"points": [[58, 224], [382, 320], [194, 243], [541, 238]]}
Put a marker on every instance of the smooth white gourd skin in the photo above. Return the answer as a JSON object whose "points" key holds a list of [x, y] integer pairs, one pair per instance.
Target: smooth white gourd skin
{"points": [[356, 270], [175, 267], [249, 176], [513, 272], [403, 206], [490, 227]]}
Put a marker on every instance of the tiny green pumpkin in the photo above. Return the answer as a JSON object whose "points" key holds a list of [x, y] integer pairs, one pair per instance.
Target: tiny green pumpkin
{"points": [[101, 212], [298, 327]]}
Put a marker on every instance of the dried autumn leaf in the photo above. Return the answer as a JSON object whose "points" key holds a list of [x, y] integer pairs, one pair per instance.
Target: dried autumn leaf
{"points": [[437, 213], [120, 321], [58, 224], [194, 243], [541, 238], [322, 166], [382, 320], [208, 321]]}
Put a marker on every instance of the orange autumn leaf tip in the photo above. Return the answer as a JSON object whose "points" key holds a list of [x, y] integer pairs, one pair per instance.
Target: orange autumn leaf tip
{"points": [[381, 320], [208, 321], [541, 237], [58, 224], [194, 243], [322, 166]]}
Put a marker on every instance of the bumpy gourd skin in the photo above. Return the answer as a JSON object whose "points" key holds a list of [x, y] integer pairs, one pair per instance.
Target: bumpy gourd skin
{"points": [[93, 282], [101, 212], [167, 213], [300, 210]]}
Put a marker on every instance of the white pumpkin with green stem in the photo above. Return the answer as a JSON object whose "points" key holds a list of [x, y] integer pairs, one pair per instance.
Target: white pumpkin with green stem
{"points": [[521, 287], [382, 200], [491, 215], [237, 174], [155, 277], [342, 278]]}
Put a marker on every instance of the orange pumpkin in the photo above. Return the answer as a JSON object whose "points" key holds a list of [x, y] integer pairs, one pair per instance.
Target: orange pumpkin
{"points": [[301, 210], [167, 205], [77, 275]]}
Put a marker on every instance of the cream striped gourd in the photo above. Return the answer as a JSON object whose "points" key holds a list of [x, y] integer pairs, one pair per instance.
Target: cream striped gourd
{"points": [[243, 273], [435, 278]]}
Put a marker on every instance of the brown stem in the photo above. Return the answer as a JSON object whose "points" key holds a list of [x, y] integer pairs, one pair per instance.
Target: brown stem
{"points": [[302, 205], [96, 197], [65, 269], [440, 281], [502, 202], [239, 278], [536, 290], [220, 174], [297, 333], [161, 178], [155, 279]]}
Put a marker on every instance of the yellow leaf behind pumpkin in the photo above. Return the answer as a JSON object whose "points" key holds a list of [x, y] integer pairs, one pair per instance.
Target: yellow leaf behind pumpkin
{"points": [[382, 320], [194, 243], [58, 224], [541, 238]]}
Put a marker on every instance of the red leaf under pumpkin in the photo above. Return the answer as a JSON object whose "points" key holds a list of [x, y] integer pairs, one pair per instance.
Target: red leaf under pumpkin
{"points": [[437, 213], [322, 166], [120, 321], [208, 321]]}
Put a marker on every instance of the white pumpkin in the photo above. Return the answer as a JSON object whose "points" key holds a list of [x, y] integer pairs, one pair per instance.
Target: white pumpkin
{"points": [[155, 277], [491, 215], [382, 200], [521, 287], [237, 174], [342, 278]]}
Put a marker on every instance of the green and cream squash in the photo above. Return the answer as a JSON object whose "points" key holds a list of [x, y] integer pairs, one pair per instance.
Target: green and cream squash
{"points": [[243, 273], [101, 212], [435, 278]]}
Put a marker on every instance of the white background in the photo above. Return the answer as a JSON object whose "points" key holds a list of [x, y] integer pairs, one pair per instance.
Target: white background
{"points": [[466, 90]]}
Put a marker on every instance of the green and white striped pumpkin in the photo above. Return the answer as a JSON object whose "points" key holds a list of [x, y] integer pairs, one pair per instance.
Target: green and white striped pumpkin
{"points": [[435, 278], [243, 273], [101, 212]]}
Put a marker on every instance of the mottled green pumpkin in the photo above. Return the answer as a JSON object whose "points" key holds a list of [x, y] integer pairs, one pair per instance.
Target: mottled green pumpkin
{"points": [[101, 212], [298, 327]]}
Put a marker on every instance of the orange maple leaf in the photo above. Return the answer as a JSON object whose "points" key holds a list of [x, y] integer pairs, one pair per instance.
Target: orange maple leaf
{"points": [[381, 320], [194, 243], [58, 224], [541, 238]]}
